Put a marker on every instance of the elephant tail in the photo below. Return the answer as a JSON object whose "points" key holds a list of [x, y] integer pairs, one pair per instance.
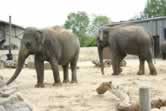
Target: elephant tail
{"points": [[153, 47]]}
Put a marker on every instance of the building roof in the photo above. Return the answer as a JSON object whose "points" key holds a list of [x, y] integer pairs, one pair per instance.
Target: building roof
{"points": [[14, 25], [138, 21]]}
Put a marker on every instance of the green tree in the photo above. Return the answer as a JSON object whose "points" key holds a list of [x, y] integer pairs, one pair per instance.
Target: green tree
{"points": [[155, 8], [97, 22], [77, 22], [85, 29]]}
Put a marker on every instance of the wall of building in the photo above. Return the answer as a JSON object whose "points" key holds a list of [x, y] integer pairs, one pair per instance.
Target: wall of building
{"points": [[155, 27], [17, 34]]}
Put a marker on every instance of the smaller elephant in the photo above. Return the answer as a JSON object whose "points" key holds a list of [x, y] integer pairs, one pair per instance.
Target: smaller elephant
{"points": [[163, 49], [55, 45], [123, 40]]}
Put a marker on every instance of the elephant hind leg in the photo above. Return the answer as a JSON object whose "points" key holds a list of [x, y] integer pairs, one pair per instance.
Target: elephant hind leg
{"points": [[150, 63], [65, 73], [152, 67], [141, 70], [73, 66]]}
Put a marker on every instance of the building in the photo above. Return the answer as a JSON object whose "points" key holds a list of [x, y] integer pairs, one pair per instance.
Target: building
{"points": [[16, 32], [155, 26]]}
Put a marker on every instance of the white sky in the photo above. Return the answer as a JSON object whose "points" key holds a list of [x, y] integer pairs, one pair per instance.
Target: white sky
{"points": [[44, 13]]}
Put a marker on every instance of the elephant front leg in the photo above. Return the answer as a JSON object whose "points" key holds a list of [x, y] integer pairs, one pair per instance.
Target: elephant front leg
{"points": [[39, 65], [115, 67], [55, 69], [141, 70], [65, 73]]}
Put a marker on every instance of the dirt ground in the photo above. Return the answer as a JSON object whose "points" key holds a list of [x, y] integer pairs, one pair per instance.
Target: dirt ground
{"points": [[83, 96]]}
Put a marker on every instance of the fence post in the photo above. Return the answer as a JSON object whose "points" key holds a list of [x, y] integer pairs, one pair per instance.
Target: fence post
{"points": [[9, 55], [145, 101]]}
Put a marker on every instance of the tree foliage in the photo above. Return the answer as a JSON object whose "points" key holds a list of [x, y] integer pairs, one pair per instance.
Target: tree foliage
{"points": [[155, 8], [97, 22], [77, 22], [85, 29]]}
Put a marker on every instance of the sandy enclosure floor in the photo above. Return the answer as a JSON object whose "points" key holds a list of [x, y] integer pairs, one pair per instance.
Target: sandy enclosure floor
{"points": [[82, 96]]}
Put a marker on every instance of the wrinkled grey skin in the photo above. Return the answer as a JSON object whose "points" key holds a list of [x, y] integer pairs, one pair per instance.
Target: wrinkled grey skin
{"points": [[163, 49], [55, 45], [126, 40]]}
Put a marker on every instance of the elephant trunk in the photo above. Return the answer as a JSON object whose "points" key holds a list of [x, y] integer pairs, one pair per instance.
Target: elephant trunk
{"points": [[100, 53], [23, 54]]}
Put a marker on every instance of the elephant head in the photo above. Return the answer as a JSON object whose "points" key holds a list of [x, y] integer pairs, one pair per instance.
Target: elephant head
{"points": [[30, 44], [102, 41]]}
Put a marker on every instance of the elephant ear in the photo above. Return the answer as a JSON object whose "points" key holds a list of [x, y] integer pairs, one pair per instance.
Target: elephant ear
{"points": [[103, 33]]}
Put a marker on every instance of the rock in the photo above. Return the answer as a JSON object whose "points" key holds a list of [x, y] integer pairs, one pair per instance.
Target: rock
{"points": [[105, 86], [2, 108], [108, 63], [6, 91], [14, 103], [2, 83], [19, 106], [158, 103], [163, 109], [155, 109], [1, 64], [131, 107]]}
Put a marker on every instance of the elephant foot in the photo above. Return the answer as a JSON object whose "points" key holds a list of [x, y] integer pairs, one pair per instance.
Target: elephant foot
{"points": [[57, 84], [66, 81], [74, 81], [153, 73], [140, 73], [115, 74], [39, 85]]}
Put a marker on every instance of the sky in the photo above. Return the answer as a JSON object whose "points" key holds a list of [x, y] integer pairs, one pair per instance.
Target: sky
{"points": [[46, 13]]}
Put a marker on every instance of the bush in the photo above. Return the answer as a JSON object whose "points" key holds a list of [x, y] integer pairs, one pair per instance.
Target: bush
{"points": [[87, 41]]}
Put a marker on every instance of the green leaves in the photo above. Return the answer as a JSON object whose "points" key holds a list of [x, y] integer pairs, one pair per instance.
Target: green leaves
{"points": [[85, 28], [77, 22], [97, 22], [155, 8]]}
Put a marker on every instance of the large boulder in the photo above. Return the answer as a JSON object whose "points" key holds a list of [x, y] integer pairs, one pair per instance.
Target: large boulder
{"points": [[10, 99]]}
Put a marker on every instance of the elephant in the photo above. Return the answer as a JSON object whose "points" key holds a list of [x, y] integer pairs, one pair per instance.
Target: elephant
{"points": [[56, 45], [123, 40], [163, 49]]}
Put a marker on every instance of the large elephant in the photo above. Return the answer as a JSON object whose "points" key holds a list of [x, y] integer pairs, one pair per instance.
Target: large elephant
{"points": [[163, 49], [55, 45], [123, 40]]}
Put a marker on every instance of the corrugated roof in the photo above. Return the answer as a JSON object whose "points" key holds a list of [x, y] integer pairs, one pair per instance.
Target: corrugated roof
{"points": [[138, 21], [7, 23]]}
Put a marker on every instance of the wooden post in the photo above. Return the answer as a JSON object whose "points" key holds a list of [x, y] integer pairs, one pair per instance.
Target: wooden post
{"points": [[9, 55], [144, 94]]}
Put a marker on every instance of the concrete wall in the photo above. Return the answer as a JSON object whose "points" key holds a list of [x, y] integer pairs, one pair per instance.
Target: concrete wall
{"points": [[86, 54]]}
